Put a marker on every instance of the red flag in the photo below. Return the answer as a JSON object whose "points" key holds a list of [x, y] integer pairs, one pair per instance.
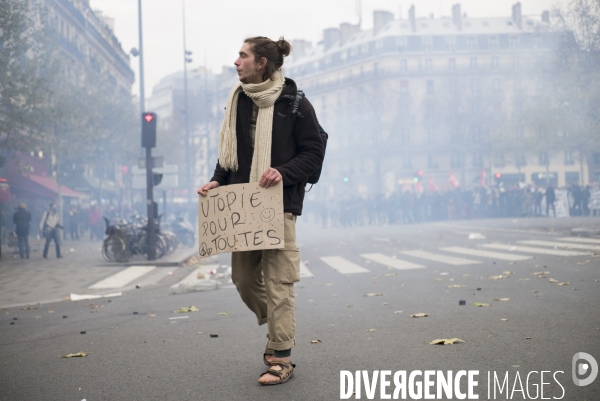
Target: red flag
{"points": [[431, 185], [454, 183], [482, 178]]}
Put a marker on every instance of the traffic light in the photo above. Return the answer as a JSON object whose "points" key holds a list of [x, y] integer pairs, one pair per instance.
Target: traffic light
{"points": [[418, 175], [148, 130], [156, 178], [498, 175]]}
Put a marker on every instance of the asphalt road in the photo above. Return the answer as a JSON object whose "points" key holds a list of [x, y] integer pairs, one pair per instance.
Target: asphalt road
{"points": [[137, 352]]}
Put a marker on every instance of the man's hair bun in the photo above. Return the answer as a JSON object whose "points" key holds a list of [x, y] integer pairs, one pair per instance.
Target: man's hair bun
{"points": [[284, 47]]}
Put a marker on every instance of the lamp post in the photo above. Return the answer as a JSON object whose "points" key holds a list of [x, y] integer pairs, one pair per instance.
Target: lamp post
{"points": [[186, 60]]}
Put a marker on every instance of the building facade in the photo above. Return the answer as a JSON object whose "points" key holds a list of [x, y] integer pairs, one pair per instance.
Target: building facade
{"points": [[423, 99]]}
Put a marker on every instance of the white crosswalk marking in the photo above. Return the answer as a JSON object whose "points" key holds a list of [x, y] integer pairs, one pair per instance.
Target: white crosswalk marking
{"points": [[561, 244], [342, 265], [582, 240], [122, 278], [193, 276], [530, 249], [485, 254], [304, 272], [436, 257], [391, 262]]}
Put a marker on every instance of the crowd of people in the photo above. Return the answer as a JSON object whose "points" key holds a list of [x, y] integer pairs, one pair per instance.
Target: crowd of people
{"points": [[411, 207]]}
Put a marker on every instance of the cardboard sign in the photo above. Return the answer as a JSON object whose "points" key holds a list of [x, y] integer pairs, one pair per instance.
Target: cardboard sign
{"points": [[240, 217]]}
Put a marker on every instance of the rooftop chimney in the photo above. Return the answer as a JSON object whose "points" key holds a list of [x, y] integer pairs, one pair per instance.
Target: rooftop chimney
{"points": [[330, 37], [380, 19], [347, 30], [456, 16], [516, 15], [545, 16], [411, 17], [300, 47]]}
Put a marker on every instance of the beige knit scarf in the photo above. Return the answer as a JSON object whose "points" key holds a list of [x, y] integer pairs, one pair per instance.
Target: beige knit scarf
{"points": [[264, 96]]}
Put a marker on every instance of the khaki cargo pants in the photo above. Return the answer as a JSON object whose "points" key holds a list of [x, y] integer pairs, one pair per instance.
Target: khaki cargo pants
{"points": [[265, 280]]}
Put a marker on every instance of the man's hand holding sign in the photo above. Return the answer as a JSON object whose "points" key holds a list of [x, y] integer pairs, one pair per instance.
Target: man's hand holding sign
{"points": [[240, 217]]}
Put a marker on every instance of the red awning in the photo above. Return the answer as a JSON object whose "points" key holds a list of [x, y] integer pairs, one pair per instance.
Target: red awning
{"points": [[40, 186], [4, 191]]}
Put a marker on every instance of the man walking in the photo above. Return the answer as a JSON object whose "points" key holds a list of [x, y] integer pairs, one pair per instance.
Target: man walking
{"points": [[49, 225], [550, 199], [22, 218], [262, 141]]}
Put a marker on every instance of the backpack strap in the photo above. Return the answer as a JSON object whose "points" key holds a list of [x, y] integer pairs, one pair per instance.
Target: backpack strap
{"points": [[297, 101]]}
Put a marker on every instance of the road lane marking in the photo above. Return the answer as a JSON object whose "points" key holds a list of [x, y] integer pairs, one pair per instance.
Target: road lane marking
{"points": [[560, 244], [342, 265], [151, 278], [122, 278], [485, 254], [304, 272], [391, 262], [451, 260], [583, 240], [530, 249], [193, 276]]}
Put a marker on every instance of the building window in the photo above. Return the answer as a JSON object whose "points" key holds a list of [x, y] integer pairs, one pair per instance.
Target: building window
{"points": [[364, 48], [379, 44], [431, 163], [514, 42], [427, 43], [543, 159], [451, 42], [493, 42], [472, 42], [407, 162], [428, 64], [403, 86], [457, 160], [477, 160], [401, 42], [375, 68], [537, 41], [516, 62], [495, 63], [474, 86], [403, 65], [518, 85], [473, 63], [569, 159], [451, 64], [430, 87], [496, 85]]}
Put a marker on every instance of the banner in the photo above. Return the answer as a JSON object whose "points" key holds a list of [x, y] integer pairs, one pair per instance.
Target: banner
{"points": [[240, 217]]}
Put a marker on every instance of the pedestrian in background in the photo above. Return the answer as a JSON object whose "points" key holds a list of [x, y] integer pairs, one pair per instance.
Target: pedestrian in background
{"points": [[49, 226], [22, 218], [550, 199]]}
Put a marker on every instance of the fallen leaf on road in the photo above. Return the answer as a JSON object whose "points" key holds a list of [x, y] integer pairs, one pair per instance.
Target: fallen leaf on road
{"points": [[186, 310], [151, 314], [200, 332], [371, 330], [479, 304], [501, 299], [528, 338], [456, 286], [38, 317], [553, 280], [223, 313], [446, 341], [534, 291], [374, 294], [334, 295], [466, 275], [437, 279], [419, 315], [385, 303], [50, 311], [27, 308], [564, 283], [79, 354], [315, 341], [330, 284], [504, 320], [200, 275], [508, 272], [398, 311], [390, 274], [500, 277]]}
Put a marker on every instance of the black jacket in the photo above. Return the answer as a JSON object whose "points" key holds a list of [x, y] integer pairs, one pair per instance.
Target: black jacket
{"points": [[22, 218], [296, 149]]}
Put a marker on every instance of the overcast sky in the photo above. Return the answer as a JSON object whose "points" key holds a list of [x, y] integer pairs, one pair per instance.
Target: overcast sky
{"points": [[216, 29]]}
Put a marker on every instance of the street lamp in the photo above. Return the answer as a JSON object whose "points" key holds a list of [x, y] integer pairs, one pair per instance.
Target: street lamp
{"points": [[186, 60]]}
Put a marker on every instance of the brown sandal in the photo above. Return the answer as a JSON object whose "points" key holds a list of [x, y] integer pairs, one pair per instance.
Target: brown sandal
{"points": [[285, 373]]}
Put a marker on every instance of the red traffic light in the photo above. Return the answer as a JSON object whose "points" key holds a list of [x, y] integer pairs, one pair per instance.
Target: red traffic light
{"points": [[420, 173], [149, 117], [498, 175]]}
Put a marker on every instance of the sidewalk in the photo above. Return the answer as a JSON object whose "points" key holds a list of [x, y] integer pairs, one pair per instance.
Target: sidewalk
{"points": [[33, 280]]}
